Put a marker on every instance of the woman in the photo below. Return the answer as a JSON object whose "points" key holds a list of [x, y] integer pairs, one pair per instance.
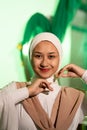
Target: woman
{"points": [[43, 104]]}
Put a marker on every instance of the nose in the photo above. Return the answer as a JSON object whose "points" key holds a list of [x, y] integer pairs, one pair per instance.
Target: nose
{"points": [[44, 62]]}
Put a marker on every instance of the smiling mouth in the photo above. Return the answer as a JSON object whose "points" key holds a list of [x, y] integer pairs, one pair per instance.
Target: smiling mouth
{"points": [[44, 69]]}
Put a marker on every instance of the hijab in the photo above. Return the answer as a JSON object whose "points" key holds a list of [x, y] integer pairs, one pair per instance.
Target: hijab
{"points": [[46, 36]]}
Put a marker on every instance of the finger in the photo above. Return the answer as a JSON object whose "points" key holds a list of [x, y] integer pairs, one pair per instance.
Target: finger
{"points": [[46, 86], [69, 74], [60, 73], [47, 89], [50, 88]]}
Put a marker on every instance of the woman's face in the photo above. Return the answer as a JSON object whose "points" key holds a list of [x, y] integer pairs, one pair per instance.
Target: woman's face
{"points": [[45, 59]]}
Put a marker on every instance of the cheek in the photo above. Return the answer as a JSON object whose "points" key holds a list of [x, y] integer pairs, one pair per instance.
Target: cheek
{"points": [[56, 63], [35, 63]]}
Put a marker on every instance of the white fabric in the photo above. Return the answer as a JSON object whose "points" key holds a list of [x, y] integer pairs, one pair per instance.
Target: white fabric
{"points": [[9, 96], [49, 37], [14, 117], [84, 76]]}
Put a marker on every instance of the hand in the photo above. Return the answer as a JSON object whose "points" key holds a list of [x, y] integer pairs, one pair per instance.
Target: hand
{"points": [[38, 86], [70, 70]]}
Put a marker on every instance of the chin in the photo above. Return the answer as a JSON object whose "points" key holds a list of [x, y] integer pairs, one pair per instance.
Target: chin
{"points": [[45, 76]]}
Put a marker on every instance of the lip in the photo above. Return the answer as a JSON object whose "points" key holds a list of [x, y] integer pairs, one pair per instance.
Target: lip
{"points": [[44, 69]]}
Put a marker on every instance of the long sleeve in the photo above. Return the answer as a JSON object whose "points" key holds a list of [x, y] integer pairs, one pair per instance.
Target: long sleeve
{"points": [[84, 104], [8, 112], [9, 96], [17, 95], [84, 76]]}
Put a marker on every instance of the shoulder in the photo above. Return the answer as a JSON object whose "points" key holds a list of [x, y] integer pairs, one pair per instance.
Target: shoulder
{"points": [[9, 87], [72, 92]]}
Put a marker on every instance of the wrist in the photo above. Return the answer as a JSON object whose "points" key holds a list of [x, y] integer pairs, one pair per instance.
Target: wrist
{"points": [[31, 91]]}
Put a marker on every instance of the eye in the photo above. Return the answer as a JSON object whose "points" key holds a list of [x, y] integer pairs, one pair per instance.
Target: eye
{"points": [[37, 56], [51, 56]]}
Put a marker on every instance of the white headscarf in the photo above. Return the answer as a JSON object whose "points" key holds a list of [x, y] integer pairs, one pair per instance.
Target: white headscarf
{"points": [[49, 37]]}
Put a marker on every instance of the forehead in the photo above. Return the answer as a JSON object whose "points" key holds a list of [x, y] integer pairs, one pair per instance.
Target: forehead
{"points": [[45, 45]]}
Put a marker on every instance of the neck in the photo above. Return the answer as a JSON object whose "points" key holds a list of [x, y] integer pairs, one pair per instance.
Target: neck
{"points": [[50, 79]]}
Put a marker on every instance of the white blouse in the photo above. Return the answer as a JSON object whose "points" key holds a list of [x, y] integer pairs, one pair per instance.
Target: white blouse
{"points": [[14, 117]]}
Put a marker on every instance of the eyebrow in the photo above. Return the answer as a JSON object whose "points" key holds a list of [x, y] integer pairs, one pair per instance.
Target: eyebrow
{"points": [[41, 52]]}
